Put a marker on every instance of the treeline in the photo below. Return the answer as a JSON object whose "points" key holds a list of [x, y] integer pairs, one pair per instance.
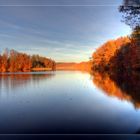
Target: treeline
{"points": [[83, 66], [106, 57], [122, 54], [118, 55], [13, 61]]}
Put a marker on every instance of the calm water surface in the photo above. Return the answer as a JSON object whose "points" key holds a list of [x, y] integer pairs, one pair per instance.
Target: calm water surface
{"points": [[65, 102]]}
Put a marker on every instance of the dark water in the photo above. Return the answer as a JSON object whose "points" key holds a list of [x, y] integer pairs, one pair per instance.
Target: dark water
{"points": [[67, 102]]}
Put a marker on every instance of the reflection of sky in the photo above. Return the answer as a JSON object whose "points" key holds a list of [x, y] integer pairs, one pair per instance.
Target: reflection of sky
{"points": [[66, 101], [62, 32]]}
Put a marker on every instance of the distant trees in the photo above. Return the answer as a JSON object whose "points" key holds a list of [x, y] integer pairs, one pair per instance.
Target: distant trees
{"points": [[13, 61], [19, 61], [41, 62], [82, 66], [4, 60]]}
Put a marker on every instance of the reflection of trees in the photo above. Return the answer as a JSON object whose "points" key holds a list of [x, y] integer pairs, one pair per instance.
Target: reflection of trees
{"points": [[12, 81], [123, 86]]}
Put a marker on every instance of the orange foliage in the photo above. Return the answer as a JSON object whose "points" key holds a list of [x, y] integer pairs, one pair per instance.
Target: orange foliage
{"points": [[84, 66], [16, 62], [120, 55], [122, 86]]}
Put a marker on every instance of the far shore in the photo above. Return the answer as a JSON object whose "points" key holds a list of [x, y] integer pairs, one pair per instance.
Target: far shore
{"points": [[41, 69], [83, 66]]}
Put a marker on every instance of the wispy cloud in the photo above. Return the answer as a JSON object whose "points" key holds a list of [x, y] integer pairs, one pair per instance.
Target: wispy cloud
{"points": [[7, 24], [62, 33]]}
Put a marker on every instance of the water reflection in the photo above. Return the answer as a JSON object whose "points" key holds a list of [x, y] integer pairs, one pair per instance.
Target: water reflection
{"points": [[64, 102], [124, 86], [12, 81]]}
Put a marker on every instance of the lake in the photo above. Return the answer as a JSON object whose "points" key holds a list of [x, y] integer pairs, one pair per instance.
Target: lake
{"points": [[65, 102]]}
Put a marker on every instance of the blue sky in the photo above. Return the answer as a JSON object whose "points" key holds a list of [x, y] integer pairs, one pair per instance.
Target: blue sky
{"points": [[64, 30]]}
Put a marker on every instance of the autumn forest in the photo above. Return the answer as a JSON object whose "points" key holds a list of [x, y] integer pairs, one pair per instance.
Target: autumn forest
{"points": [[13, 61], [123, 54], [116, 63], [116, 55], [70, 67]]}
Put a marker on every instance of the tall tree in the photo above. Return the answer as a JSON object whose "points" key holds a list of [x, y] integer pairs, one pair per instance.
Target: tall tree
{"points": [[131, 12], [131, 16]]}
